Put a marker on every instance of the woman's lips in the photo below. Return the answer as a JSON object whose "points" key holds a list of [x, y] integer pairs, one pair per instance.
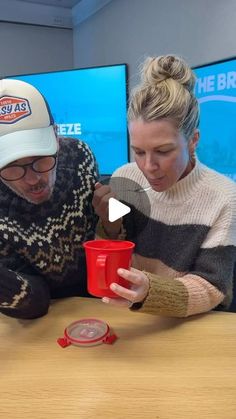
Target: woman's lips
{"points": [[155, 181]]}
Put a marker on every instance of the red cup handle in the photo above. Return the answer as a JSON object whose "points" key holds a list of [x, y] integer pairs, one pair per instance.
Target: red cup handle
{"points": [[101, 270]]}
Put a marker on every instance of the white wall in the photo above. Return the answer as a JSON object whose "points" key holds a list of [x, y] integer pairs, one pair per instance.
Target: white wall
{"points": [[31, 49], [128, 30]]}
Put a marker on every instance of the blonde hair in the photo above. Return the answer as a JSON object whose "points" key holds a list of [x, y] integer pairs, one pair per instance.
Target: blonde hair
{"points": [[166, 91]]}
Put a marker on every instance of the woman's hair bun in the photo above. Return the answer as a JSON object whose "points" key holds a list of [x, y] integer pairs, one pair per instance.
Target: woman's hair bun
{"points": [[155, 70]]}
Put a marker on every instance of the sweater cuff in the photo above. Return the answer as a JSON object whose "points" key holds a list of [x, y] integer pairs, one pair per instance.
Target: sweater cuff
{"points": [[102, 234], [13, 289], [166, 297]]}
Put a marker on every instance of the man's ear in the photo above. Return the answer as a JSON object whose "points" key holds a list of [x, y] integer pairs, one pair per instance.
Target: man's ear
{"points": [[194, 141]]}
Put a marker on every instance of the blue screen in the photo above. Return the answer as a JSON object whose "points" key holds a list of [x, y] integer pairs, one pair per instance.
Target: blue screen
{"points": [[89, 104], [216, 93]]}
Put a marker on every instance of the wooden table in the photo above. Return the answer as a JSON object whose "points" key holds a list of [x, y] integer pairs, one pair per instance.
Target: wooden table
{"points": [[159, 368]]}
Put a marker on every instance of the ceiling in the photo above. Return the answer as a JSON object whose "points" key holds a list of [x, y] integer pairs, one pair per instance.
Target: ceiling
{"points": [[58, 13], [68, 4]]}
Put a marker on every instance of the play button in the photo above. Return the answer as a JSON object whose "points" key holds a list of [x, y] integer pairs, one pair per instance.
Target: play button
{"points": [[116, 209], [130, 200]]}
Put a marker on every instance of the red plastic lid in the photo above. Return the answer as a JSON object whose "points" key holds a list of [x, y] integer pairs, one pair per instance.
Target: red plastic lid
{"points": [[87, 332]]}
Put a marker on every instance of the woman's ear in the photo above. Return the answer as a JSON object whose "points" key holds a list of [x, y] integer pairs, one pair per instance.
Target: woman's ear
{"points": [[194, 141]]}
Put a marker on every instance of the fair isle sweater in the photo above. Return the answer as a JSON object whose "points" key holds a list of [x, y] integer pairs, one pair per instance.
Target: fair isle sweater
{"points": [[41, 253], [188, 247]]}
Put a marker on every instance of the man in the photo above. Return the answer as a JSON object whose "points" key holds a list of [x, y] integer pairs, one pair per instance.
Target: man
{"points": [[46, 188]]}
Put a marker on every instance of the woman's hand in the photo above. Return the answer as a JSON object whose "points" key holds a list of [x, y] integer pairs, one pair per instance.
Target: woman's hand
{"points": [[100, 202], [137, 292]]}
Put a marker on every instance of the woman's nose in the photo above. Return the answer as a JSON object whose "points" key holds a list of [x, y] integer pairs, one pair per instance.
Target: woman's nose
{"points": [[151, 164]]}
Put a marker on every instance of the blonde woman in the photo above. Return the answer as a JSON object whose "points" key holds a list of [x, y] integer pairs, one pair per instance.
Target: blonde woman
{"points": [[184, 258]]}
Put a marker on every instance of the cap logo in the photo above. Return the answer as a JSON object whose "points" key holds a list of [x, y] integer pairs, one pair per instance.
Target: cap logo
{"points": [[12, 109]]}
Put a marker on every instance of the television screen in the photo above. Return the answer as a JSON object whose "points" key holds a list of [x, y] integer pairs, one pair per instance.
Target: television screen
{"points": [[216, 93], [90, 104]]}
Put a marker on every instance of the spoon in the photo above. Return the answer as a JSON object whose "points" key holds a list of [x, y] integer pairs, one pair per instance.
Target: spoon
{"points": [[142, 189]]}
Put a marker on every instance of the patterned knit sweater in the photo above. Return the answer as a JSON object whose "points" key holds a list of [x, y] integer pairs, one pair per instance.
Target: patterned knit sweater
{"points": [[41, 254], [188, 246]]}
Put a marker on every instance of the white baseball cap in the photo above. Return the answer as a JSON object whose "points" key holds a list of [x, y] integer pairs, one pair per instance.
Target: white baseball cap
{"points": [[26, 123]]}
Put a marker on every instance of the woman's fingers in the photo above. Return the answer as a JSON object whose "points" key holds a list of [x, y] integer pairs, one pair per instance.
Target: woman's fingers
{"points": [[100, 200], [133, 276], [123, 292], [118, 302]]}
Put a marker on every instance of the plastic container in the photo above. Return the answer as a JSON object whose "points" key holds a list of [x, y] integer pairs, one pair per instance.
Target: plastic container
{"points": [[87, 332]]}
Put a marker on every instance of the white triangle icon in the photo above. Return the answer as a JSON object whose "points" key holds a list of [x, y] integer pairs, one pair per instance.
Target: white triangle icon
{"points": [[116, 209]]}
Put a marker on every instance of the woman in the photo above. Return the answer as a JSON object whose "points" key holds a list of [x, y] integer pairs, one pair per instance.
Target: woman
{"points": [[185, 256]]}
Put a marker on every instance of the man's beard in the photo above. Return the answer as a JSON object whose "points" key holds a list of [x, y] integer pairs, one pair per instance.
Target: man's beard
{"points": [[40, 184]]}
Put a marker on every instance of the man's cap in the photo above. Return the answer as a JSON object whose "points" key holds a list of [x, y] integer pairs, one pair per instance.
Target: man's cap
{"points": [[26, 123]]}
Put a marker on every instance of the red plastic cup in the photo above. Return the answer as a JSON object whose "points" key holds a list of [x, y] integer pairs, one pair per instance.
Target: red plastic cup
{"points": [[103, 258]]}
